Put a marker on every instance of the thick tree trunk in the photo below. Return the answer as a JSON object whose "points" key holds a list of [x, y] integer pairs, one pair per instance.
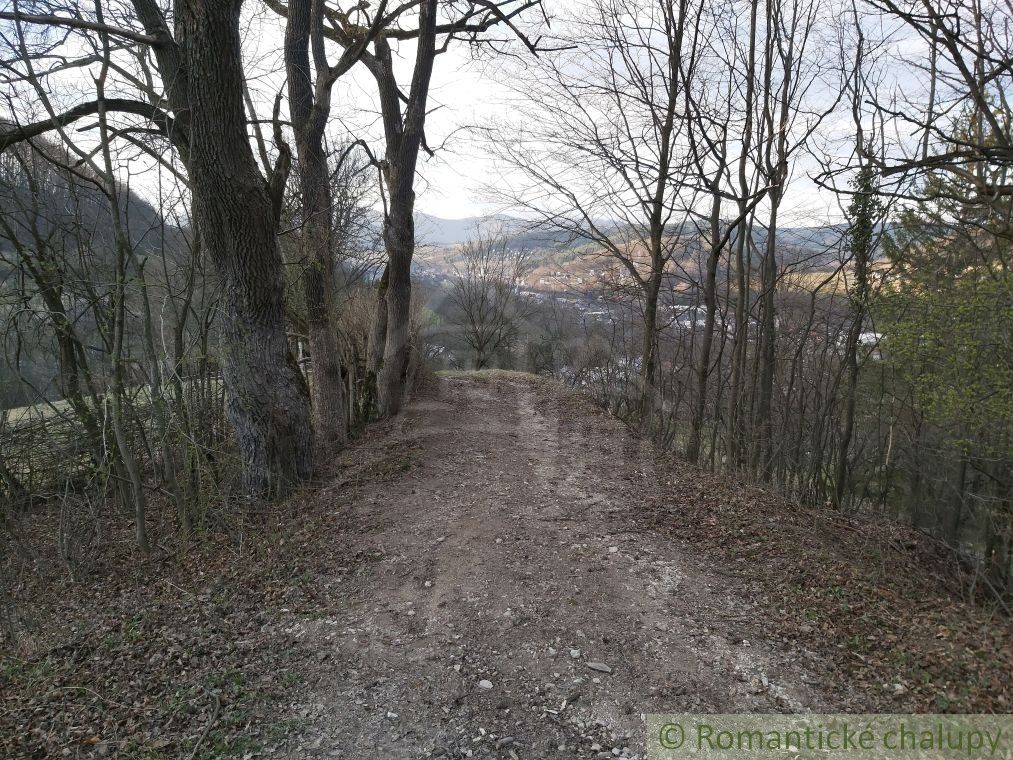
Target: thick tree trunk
{"points": [[267, 399], [329, 411], [308, 122], [404, 138]]}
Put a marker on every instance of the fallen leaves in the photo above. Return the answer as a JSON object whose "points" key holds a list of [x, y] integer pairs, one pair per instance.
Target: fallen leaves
{"points": [[876, 598]]}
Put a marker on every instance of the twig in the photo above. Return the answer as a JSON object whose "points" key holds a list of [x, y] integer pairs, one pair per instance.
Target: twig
{"points": [[207, 728]]}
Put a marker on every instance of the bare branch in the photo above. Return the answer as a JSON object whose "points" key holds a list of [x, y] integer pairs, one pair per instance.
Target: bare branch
{"points": [[79, 23], [12, 134]]}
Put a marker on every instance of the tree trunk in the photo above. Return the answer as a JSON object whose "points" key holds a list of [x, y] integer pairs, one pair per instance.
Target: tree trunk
{"points": [[404, 138], [739, 340], [864, 212], [710, 305], [308, 121], [956, 521], [649, 367], [736, 411], [267, 405], [378, 330], [762, 454], [399, 238], [841, 475]]}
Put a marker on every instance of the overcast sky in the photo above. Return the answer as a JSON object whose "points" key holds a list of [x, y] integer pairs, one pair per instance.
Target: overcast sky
{"points": [[464, 94]]}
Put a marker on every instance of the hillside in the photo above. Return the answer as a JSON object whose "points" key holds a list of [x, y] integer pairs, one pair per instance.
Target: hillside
{"points": [[561, 264], [54, 218], [70, 210], [433, 231], [504, 571]]}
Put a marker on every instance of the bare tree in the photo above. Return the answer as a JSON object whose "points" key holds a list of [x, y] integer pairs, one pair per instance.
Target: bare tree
{"points": [[601, 141], [309, 90], [967, 72], [99, 410], [864, 212], [719, 118], [792, 68], [746, 184], [486, 291], [431, 29], [200, 111]]}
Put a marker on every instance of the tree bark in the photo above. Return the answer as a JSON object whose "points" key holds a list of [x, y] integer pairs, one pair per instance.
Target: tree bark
{"points": [[267, 399], [309, 115], [736, 404], [710, 307], [762, 454], [404, 139], [399, 239], [864, 211], [649, 368], [736, 415], [378, 330]]}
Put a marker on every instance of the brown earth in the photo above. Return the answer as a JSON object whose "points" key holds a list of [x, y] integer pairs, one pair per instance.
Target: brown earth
{"points": [[504, 571], [510, 555]]}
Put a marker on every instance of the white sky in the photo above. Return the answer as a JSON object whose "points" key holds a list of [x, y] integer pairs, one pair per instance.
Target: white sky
{"points": [[464, 93]]}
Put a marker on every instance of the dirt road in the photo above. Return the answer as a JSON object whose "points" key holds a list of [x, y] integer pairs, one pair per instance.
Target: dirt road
{"points": [[507, 603]]}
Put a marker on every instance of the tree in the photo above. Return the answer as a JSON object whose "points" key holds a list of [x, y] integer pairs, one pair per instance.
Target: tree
{"points": [[713, 129], [403, 135], [600, 141], [200, 111], [404, 138], [309, 92], [485, 290], [864, 217], [970, 46], [792, 68], [947, 317]]}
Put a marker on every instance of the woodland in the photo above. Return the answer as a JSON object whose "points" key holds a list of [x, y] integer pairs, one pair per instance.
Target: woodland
{"points": [[213, 285]]}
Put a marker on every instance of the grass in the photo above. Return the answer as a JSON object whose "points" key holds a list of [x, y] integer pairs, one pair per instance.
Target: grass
{"points": [[488, 374]]}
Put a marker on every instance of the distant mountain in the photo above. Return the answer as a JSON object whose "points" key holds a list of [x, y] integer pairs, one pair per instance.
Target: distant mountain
{"points": [[559, 264], [794, 243], [436, 231]]}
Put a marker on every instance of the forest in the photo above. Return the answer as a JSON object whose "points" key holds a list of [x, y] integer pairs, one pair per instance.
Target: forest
{"points": [[770, 238]]}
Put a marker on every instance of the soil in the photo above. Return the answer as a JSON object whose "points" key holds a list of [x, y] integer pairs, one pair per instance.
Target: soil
{"points": [[503, 571], [512, 556]]}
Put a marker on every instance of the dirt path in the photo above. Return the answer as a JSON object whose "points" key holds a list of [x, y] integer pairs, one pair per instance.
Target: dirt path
{"points": [[509, 553]]}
